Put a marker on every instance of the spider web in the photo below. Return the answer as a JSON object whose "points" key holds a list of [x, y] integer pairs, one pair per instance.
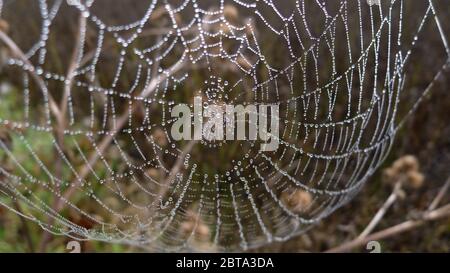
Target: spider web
{"points": [[87, 150]]}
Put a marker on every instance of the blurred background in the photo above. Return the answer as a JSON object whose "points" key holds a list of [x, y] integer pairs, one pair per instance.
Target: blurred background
{"points": [[421, 149]]}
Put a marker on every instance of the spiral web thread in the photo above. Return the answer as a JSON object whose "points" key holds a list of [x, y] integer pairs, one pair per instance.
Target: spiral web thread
{"points": [[339, 114]]}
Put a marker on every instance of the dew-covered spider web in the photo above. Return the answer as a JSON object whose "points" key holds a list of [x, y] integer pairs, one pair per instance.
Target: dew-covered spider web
{"points": [[88, 85]]}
